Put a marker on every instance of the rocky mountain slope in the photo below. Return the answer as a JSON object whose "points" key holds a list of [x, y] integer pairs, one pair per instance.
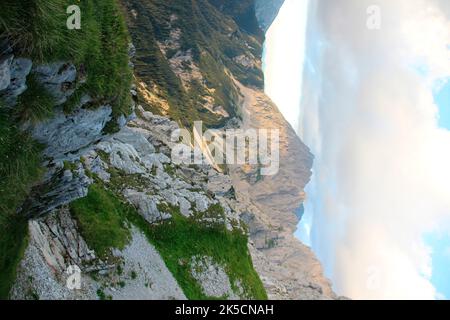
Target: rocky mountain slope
{"points": [[92, 191]]}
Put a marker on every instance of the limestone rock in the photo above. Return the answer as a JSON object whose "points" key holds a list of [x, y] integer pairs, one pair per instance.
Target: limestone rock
{"points": [[152, 280], [66, 134], [219, 183], [155, 160], [159, 128], [122, 156], [19, 70], [211, 277], [36, 280], [96, 165], [185, 207], [5, 71], [146, 206], [140, 144], [59, 241], [121, 121], [54, 245], [58, 79], [131, 50], [63, 187]]}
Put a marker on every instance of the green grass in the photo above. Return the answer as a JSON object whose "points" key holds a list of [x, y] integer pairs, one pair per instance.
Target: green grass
{"points": [[37, 29], [243, 12], [103, 52], [102, 220], [20, 161], [104, 223], [35, 104], [214, 40], [13, 242], [179, 239]]}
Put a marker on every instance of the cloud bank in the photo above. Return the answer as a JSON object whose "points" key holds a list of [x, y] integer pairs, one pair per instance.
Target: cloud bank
{"points": [[382, 170], [284, 56]]}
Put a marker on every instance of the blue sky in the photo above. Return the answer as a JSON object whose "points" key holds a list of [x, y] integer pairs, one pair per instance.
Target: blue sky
{"points": [[440, 243], [442, 98]]}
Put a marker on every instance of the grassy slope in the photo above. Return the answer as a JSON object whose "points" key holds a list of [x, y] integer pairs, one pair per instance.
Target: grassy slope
{"points": [[243, 12], [19, 168], [214, 39], [181, 239], [102, 218], [37, 29]]}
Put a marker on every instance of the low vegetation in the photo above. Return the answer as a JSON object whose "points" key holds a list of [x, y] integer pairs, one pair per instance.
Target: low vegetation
{"points": [[104, 222], [19, 168], [35, 104], [37, 30], [243, 12], [179, 239], [213, 40]]}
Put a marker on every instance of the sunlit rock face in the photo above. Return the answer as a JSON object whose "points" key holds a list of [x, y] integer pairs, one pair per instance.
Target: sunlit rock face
{"points": [[266, 12]]}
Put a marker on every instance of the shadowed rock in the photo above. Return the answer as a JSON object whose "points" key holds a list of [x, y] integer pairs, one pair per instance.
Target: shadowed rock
{"points": [[58, 79], [19, 70], [66, 134]]}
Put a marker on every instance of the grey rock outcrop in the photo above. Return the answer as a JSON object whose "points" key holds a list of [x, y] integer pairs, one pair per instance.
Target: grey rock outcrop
{"points": [[141, 145], [123, 156], [5, 71], [212, 278], [54, 245], [219, 183], [64, 187], [19, 70], [96, 165], [61, 250], [151, 281], [58, 78], [146, 205], [66, 134], [159, 128]]}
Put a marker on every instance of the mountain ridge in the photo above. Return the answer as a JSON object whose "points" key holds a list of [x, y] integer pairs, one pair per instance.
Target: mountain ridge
{"points": [[110, 191]]}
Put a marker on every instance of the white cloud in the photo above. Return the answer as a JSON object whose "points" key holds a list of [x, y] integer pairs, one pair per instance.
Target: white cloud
{"points": [[286, 58], [382, 164]]}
